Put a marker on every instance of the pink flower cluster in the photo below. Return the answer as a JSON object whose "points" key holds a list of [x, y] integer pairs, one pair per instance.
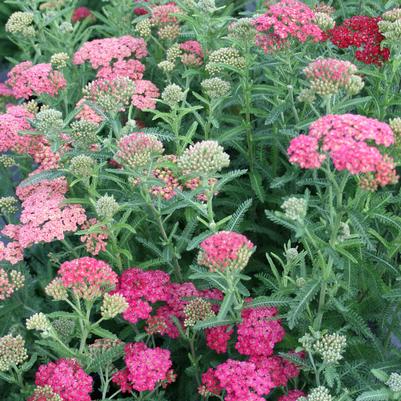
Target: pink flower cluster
{"points": [[258, 332], [163, 14], [95, 242], [145, 95], [217, 338], [292, 395], [284, 20], [347, 140], [248, 380], [44, 218], [141, 289], [192, 53], [225, 250], [27, 80], [87, 277], [66, 378], [81, 13], [146, 368], [103, 52]]}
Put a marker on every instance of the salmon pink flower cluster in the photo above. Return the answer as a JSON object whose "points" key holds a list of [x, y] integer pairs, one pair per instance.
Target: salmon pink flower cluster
{"points": [[347, 139], [95, 242], [66, 378], [225, 250], [145, 94], [27, 79], [285, 20], [44, 218], [146, 368]]}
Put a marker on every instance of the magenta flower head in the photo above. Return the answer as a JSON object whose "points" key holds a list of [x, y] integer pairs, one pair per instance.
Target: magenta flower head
{"points": [[87, 277], [138, 149], [66, 378], [225, 251], [81, 13], [146, 368]]}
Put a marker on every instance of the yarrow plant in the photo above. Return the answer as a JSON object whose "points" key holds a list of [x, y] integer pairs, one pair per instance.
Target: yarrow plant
{"points": [[200, 201]]}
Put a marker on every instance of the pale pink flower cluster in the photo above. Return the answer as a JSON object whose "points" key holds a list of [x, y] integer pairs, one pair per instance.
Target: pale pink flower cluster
{"points": [[145, 95], [87, 277], [87, 113], [44, 218], [225, 250], [132, 69], [27, 80], [5, 90], [103, 52], [192, 53], [141, 289], [284, 20], [258, 332], [163, 14], [95, 242], [66, 378], [347, 139], [146, 368]]}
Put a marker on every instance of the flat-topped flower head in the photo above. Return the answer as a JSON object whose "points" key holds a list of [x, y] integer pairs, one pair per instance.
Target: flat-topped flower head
{"points": [[66, 378], [197, 310], [348, 139], [146, 368], [87, 277], [225, 251], [21, 23], [138, 149], [285, 20], [203, 159], [390, 25], [27, 80], [225, 56], [101, 52]]}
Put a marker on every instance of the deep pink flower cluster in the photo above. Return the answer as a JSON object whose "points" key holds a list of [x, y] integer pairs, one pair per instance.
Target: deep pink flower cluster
{"points": [[346, 139], [44, 218], [81, 13], [363, 33], [87, 277], [217, 338], [284, 20], [248, 380], [27, 80], [67, 379], [146, 368], [292, 395], [192, 53], [141, 289], [140, 10], [258, 332], [224, 251]]}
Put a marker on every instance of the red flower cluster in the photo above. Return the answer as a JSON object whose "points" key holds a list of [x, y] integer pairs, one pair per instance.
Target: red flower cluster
{"points": [[362, 32]]}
